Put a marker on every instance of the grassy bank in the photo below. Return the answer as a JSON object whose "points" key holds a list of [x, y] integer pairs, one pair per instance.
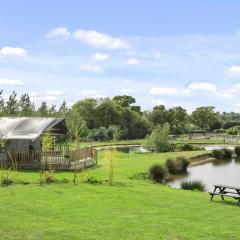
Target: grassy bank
{"points": [[130, 209]]}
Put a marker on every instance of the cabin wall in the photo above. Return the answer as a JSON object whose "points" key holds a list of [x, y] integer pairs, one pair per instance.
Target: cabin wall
{"points": [[24, 144]]}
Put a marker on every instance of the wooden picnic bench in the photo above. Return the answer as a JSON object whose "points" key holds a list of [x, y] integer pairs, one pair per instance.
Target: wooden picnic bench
{"points": [[226, 191]]}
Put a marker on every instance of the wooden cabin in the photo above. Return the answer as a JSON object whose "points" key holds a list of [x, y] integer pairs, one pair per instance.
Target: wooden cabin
{"points": [[25, 132]]}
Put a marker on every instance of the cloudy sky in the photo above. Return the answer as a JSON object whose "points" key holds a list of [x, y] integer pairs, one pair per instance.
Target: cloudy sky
{"points": [[161, 52]]}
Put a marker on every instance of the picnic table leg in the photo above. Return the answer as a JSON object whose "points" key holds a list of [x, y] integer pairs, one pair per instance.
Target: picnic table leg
{"points": [[212, 195], [222, 191]]}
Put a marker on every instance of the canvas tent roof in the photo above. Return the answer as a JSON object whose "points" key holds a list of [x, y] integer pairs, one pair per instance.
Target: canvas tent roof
{"points": [[29, 128]]}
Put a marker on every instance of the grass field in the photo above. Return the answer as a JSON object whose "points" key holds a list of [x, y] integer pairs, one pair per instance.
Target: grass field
{"points": [[130, 209]]}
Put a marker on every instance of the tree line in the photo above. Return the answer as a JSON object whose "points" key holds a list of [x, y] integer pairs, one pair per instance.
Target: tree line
{"points": [[120, 117]]}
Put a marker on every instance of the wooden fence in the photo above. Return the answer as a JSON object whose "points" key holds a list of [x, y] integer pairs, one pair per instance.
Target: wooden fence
{"points": [[29, 158]]}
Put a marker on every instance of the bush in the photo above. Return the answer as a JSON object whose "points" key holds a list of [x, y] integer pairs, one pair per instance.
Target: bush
{"points": [[193, 185], [222, 153], [158, 173], [227, 153], [237, 151], [187, 147], [177, 166], [5, 177]]}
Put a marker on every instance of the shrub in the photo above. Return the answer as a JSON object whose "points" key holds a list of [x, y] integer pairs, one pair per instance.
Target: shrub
{"points": [[217, 153], [222, 153], [193, 185], [177, 166], [187, 147], [6, 178], [237, 151], [227, 153], [158, 173]]}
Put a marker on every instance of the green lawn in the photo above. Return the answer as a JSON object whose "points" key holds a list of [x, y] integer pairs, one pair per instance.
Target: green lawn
{"points": [[131, 209]]}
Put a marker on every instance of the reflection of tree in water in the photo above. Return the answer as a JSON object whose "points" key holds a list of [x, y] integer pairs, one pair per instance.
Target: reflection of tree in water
{"points": [[237, 160], [219, 162]]}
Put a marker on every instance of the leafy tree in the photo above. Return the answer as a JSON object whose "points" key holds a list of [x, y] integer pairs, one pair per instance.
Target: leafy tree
{"points": [[124, 100], [205, 117], [108, 113], [100, 134], [178, 120], [76, 125], [87, 110], [136, 125], [160, 138], [159, 115], [115, 132], [12, 105]]}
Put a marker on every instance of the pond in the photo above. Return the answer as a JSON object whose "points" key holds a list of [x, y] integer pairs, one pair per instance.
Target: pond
{"points": [[226, 172]]}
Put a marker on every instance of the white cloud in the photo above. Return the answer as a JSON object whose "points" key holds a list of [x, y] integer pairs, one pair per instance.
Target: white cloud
{"points": [[12, 82], [234, 70], [90, 68], [163, 91], [33, 94], [100, 56], [58, 32], [133, 61], [90, 94], [13, 51], [54, 93], [49, 98], [202, 86], [127, 91], [100, 40]]}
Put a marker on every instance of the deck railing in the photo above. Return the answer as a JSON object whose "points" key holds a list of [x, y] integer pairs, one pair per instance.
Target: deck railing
{"points": [[53, 157]]}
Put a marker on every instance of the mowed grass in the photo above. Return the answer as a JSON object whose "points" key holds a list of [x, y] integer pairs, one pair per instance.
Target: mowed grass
{"points": [[130, 209]]}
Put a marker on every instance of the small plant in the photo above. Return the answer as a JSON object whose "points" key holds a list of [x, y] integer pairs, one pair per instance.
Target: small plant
{"points": [[193, 185], [92, 180], [46, 176], [5, 177], [227, 153], [158, 173], [110, 155], [237, 151]]}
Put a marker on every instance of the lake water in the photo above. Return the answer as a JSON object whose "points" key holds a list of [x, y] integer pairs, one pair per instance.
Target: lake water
{"points": [[226, 172]]}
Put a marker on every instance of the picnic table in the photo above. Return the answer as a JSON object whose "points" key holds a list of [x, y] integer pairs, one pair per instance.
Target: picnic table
{"points": [[226, 191]]}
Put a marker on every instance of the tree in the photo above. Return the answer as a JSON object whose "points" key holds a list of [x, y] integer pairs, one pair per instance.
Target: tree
{"points": [[76, 125], [52, 110], [178, 120], [43, 110], [63, 109], [205, 117], [159, 115], [26, 108], [108, 113], [1, 103], [12, 106], [136, 125], [87, 110], [160, 138], [124, 100]]}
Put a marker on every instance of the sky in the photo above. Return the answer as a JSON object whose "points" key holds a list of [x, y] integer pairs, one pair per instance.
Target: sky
{"points": [[161, 52]]}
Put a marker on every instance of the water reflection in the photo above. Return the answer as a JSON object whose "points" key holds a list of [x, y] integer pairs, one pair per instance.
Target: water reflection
{"points": [[226, 172]]}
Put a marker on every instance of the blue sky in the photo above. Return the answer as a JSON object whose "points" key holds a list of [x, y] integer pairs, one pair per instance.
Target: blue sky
{"points": [[161, 52]]}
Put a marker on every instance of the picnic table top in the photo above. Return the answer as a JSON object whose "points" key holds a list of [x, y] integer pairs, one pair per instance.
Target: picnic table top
{"points": [[226, 186]]}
